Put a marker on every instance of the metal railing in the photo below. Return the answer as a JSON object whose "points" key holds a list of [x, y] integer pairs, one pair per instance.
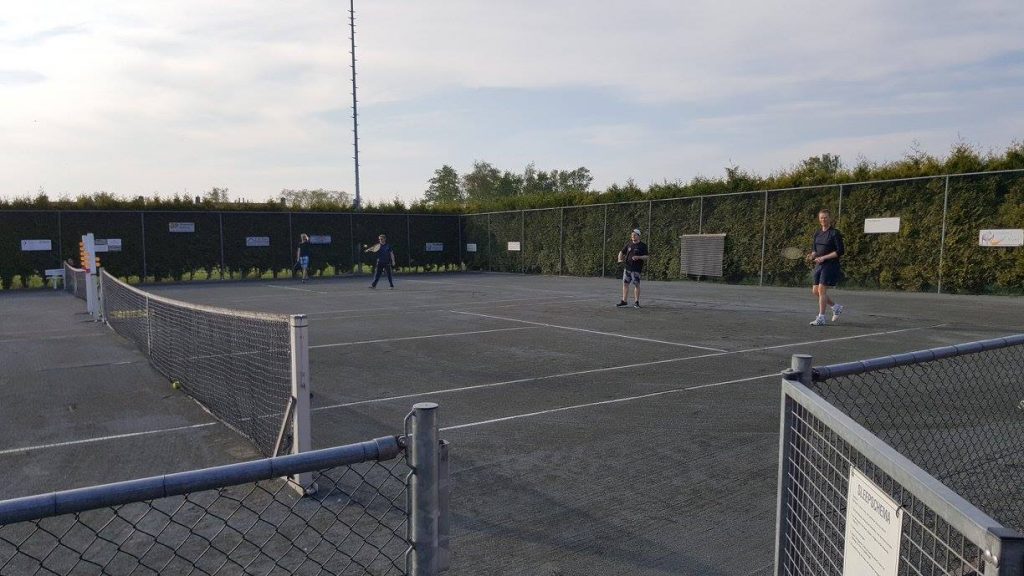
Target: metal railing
{"points": [[938, 432], [364, 514]]}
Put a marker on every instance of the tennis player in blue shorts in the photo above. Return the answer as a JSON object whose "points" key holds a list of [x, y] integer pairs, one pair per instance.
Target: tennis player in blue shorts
{"points": [[302, 255], [826, 251], [385, 261]]}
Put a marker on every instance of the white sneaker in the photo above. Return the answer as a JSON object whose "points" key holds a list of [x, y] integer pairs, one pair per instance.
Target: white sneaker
{"points": [[819, 321], [836, 311]]}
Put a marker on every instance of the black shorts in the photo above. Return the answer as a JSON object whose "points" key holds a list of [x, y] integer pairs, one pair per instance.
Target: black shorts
{"points": [[828, 273]]}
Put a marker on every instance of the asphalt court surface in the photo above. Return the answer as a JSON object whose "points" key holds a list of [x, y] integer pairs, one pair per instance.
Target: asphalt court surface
{"points": [[586, 439]]}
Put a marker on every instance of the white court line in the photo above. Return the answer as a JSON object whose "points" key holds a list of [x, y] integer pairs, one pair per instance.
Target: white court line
{"points": [[613, 401], [422, 337], [296, 289], [492, 286], [434, 307], [479, 386], [590, 331], [101, 439], [608, 369]]}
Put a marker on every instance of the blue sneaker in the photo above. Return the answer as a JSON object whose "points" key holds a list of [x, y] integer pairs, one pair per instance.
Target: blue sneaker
{"points": [[836, 311]]}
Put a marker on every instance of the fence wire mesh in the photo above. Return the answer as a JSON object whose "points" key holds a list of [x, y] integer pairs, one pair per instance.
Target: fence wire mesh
{"points": [[961, 419], [814, 516], [354, 524], [236, 364]]}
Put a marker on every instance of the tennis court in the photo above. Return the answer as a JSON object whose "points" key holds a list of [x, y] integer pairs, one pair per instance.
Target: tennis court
{"points": [[586, 439]]}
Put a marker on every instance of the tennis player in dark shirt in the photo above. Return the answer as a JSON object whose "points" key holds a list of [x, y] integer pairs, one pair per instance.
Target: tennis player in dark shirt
{"points": [[632, 256], [385, 261], [827, 248], [302, 255]]}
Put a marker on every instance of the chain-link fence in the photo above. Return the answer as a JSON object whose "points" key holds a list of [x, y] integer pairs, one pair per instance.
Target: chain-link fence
{"points": [[939, 432], [363, 514]]}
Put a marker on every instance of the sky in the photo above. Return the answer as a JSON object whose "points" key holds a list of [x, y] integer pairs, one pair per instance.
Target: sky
{"points": [[145, 97]]}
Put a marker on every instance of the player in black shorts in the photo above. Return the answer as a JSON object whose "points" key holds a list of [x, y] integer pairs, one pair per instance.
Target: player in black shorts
{"points": [[826, 250], [632, 256]]}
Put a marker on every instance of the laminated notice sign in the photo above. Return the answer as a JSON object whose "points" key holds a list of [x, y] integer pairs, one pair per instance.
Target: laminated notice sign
{"points": [[252, 241], [513, 246], [36, 245], [1001, 238], [881, 225], [434, 247], [322, 239], [874, 522], [181, 227], [470, 247]]}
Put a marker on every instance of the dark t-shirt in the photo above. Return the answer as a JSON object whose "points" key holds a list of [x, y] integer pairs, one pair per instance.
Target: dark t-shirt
{"points": [[304, 249], [827, 242], [384, 254], [630, 250]]}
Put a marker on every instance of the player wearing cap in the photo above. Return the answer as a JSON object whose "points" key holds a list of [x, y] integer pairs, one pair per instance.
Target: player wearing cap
{"points": [[632, 256]]}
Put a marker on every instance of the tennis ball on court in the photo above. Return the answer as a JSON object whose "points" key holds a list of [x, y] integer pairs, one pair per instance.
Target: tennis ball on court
{"points": [[175, 384]]}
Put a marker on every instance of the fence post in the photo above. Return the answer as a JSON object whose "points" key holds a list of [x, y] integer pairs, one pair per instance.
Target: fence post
{"points": [[799, 369], [301, 440], [942, 240], [764, 237], [142, 220], [522, 241], [220, 220], [423, 490], [604, 240], [561, 239]]}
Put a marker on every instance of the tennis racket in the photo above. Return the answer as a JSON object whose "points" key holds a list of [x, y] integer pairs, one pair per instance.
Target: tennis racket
{"points": [[792, 253], [373, 248]]}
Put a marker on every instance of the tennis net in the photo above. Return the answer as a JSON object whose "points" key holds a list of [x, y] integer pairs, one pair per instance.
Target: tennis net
{"points": [[74, 280], [237, 365]]}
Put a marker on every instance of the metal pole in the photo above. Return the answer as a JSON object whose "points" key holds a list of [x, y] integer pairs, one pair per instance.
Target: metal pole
{"points": [[220, 219], [408, 240], [423, 490], [764, 237], [561, 238], [355, 107], [60, 246], [942, 240], [488, 242], [352, 244], [291, 242], [700, 217], [142, 218], [301, 439], [604, 241], [461, 224], [522, 240], [650, 209], [839, 212]]}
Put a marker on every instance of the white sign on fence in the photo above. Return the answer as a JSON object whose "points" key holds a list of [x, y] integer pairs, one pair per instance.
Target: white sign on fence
{"points": [[435, 247], [874, 522], [179, 227], [36, 245], [881, 225], [1001, 238], [113, 244], [470, 247], [513, 246], [319, 239], [252, 241]]}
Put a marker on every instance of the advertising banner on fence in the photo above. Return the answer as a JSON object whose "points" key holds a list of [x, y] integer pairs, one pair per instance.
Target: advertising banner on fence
{"points": [[181, 227], [874, 522], [1001, 238], [470, 247], [257, 241], [320, 239], [435, 247]]}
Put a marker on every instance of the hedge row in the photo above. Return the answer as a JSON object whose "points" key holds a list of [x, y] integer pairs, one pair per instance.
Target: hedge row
{"points": [[759, 226]]}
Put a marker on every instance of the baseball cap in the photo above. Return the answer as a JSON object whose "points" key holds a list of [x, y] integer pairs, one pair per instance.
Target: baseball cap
{"points": [[636, 231]]}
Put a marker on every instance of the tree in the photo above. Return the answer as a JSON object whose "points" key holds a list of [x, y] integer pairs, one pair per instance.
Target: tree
{"points": [[444, 187], [318, 199], [217, 195], [481, 185]]}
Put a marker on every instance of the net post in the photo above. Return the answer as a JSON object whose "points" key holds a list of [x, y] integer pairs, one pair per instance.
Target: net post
{"points": [[424, 511], [91, 303], [301, 442]]}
